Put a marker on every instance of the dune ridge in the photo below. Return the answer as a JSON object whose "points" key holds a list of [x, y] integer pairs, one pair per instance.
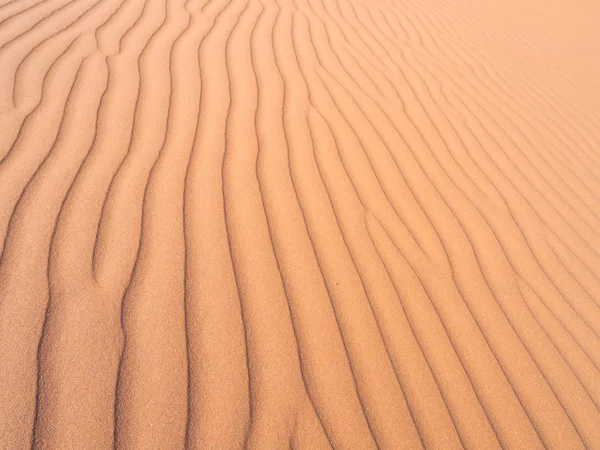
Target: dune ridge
{"points": [[299, 224]]}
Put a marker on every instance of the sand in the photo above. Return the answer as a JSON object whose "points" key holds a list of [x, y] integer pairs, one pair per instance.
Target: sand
{"points": [[269, 224]]}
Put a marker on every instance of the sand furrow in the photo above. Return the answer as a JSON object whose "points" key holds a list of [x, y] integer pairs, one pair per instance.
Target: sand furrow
{"points": [[146, 305], [523, 135], [25, 286], [479, 60], [56, 172], [524, 120], [278, 394], [299, 224], [218, 413], [288, 234]]}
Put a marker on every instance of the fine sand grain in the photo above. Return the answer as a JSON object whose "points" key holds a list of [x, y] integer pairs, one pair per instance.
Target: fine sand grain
{"points": [[273, 224]]}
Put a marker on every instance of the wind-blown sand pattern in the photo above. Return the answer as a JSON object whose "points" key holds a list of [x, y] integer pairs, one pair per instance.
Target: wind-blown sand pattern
{"points": [[266, 224]]}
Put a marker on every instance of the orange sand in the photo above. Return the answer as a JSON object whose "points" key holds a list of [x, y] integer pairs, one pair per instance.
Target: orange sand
{"points": [[273, 224]]}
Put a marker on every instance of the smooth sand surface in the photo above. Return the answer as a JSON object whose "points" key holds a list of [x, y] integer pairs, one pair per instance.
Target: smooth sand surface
{"points": [[273, 224]]}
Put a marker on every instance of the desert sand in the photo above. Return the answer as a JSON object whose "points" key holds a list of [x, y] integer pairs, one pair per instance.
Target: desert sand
{"points": [[273, 224]]}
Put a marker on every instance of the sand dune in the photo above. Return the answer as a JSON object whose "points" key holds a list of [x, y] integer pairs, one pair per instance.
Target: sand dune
{"points": [[304, 224]]}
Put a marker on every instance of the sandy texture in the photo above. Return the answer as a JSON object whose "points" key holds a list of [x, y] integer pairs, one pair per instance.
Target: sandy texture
{"points": [[272, 224]]}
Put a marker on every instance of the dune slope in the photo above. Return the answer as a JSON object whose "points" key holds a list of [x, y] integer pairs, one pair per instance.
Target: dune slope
{"points": [[264, 224]]}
